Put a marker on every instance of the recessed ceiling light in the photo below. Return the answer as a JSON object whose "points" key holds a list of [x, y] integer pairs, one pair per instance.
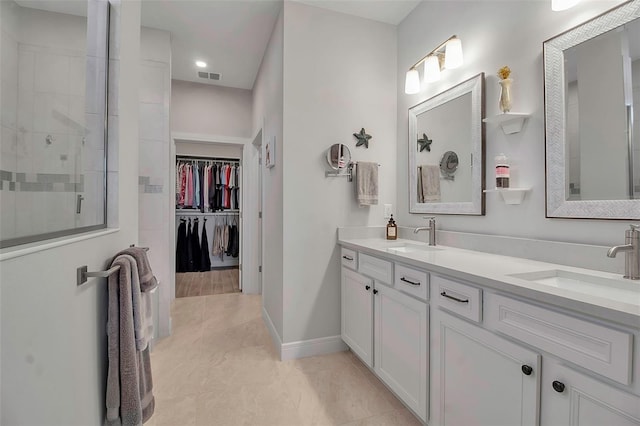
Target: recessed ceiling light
{"points": [[201, 64]]}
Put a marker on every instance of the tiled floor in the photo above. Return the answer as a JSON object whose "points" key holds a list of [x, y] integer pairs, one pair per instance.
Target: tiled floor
{"points": [[217, 281], [219, 368]]}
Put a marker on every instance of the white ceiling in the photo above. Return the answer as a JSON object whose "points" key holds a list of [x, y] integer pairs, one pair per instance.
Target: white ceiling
{"points": [[231, 36]]}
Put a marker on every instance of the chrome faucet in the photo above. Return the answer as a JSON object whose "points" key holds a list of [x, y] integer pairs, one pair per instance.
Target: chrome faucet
{"points": [[632, 249], [431, 228]]}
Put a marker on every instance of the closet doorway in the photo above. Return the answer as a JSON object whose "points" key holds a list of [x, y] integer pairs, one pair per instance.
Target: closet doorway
{"points": [[209, 195]]}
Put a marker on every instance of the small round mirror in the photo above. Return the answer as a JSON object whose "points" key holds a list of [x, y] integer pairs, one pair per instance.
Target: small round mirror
{"points": [[449, 164], [338, 156]]}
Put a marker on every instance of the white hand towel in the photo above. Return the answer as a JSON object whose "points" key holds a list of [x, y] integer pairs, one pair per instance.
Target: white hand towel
{"points": [[367, 183], [430, 183]]}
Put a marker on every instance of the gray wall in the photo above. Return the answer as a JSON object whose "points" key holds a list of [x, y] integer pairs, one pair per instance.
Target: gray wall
{"points": [[210, 110], [267, 115], [494, 34], [339, 76]]}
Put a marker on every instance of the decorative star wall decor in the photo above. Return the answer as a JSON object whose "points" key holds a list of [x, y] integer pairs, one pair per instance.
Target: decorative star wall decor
{"points": [[424, 143], [363, 138]]}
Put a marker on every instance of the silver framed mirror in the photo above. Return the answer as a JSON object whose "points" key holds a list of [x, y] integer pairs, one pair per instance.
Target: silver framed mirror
{"points": [[592, 118], [338, 156], [446, 136]]}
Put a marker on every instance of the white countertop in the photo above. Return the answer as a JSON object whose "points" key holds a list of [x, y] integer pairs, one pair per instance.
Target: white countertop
{"points": [[621, 304]]}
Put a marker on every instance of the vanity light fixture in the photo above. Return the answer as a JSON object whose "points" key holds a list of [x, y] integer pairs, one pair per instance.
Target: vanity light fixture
{"points": [[558, 5], [446, 56], [201, 64]]}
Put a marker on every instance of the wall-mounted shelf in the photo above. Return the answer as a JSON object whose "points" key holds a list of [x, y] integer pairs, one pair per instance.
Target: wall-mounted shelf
{"points": [[511, 195], [509, 121]]}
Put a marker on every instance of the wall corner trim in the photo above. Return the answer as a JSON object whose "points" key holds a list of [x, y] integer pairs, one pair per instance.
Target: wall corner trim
{"points": [[275, 337], [312, 347]]}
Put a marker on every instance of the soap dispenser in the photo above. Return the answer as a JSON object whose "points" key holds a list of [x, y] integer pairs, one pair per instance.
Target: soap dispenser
{"points": [[392, 229]]}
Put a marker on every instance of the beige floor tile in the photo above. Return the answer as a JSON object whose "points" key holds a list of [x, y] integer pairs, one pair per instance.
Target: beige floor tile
{"points": [[335, 396], [255, 405], [393, 418], [180, 411], [321, 362]]}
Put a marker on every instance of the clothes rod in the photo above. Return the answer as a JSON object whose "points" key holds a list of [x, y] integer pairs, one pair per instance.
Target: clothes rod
{"points": [[196, 158], [82, 274]]}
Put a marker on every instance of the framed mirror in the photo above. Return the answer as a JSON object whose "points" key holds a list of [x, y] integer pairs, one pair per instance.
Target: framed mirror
{"points": [[338, 156], [592, 118], [446, 151]]}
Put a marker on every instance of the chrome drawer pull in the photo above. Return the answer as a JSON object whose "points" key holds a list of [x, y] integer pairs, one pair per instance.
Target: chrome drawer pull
{"points": [[407, 281], [454, 298], [347, 257]]}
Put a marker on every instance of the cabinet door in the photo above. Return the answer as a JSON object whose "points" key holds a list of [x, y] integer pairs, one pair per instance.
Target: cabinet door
{"points": [[357, 314], [572, 398], [479, 378], [401, 337]]}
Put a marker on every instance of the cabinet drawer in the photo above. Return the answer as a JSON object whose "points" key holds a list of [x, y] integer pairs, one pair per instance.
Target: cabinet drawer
{"points": [[601, 349], [458, 298], [349, 258], [381, 270], [412, 281]]}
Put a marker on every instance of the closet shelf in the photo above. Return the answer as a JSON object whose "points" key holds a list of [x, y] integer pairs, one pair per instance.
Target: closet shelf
{"points": [[510, 122], [511, 195], [189, 212]]}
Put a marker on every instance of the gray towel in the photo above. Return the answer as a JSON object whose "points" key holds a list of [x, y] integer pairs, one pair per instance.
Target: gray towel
{"points": [[147, 280], [129, 396], [367, 183], [141, 307], [419, 189], [430, 177]]}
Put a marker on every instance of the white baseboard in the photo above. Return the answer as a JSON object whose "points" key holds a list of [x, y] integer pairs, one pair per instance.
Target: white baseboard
{"points": [[312, 347], [275, 337]]}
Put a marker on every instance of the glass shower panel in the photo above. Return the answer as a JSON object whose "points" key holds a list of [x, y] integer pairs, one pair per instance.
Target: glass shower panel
{"points": [[53, 99]]}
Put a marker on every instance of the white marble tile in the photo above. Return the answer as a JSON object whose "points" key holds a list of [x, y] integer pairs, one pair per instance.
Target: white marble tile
{"points": [[112, 199], [113, 145], [7, 213], [95, 96], [114, 87], [76, 115], [27, 66], [24, 152], [48, 112], [9, 106], [153, 158], [25, 110], [151, 121], [152, 88], [77, 75], [25, 211], [51, 73], [151, 213]]}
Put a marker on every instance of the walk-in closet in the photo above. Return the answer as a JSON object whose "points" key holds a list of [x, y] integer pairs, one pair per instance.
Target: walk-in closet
{"points": [[207, 216]]}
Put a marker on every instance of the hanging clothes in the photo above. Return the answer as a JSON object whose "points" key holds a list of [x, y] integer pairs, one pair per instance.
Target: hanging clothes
{"points": [[182, 262], [205, 263], [195, 246], [189, 249]]}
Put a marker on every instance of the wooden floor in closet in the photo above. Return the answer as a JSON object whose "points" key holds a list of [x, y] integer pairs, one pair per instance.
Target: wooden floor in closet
{"points": [[217, 281]]}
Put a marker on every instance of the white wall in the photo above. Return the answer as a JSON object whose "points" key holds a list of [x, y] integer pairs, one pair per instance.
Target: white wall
{"points": [[494, 34], [210, 110], [155, 165], [268, 116], [339, 76], [53, 340]]}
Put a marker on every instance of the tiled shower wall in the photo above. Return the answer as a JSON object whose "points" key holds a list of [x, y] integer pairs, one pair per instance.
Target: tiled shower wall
{"points": [[154, 212], [52, 134]]}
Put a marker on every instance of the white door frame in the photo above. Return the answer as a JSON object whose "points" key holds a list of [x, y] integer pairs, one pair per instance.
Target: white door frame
{"points": [[248, 193]]}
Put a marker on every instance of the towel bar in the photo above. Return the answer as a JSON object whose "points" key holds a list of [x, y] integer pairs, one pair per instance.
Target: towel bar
{"points": [[82, 273], [348, 174]]}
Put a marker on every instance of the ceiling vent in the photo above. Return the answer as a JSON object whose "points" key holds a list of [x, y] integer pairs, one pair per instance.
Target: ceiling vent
{"points": [[210, 75]]}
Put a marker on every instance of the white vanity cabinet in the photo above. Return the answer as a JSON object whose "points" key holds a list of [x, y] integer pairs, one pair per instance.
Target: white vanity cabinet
{"points": [[357, 314], [388, 330], [401, 342], [479, 378], [572, 398]]}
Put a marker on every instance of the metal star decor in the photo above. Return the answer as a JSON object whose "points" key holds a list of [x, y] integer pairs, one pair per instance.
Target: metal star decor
{"points": [[363, 138], [424, 143]]}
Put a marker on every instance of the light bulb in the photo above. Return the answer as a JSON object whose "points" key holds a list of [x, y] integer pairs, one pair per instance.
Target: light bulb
{"points": [[558, 5], [412, 82], [432, 69], [453, 53], [201, 64]]}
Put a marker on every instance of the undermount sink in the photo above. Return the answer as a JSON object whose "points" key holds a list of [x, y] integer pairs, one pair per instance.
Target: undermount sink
{"points": [[412, 248], [616, 289]]}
